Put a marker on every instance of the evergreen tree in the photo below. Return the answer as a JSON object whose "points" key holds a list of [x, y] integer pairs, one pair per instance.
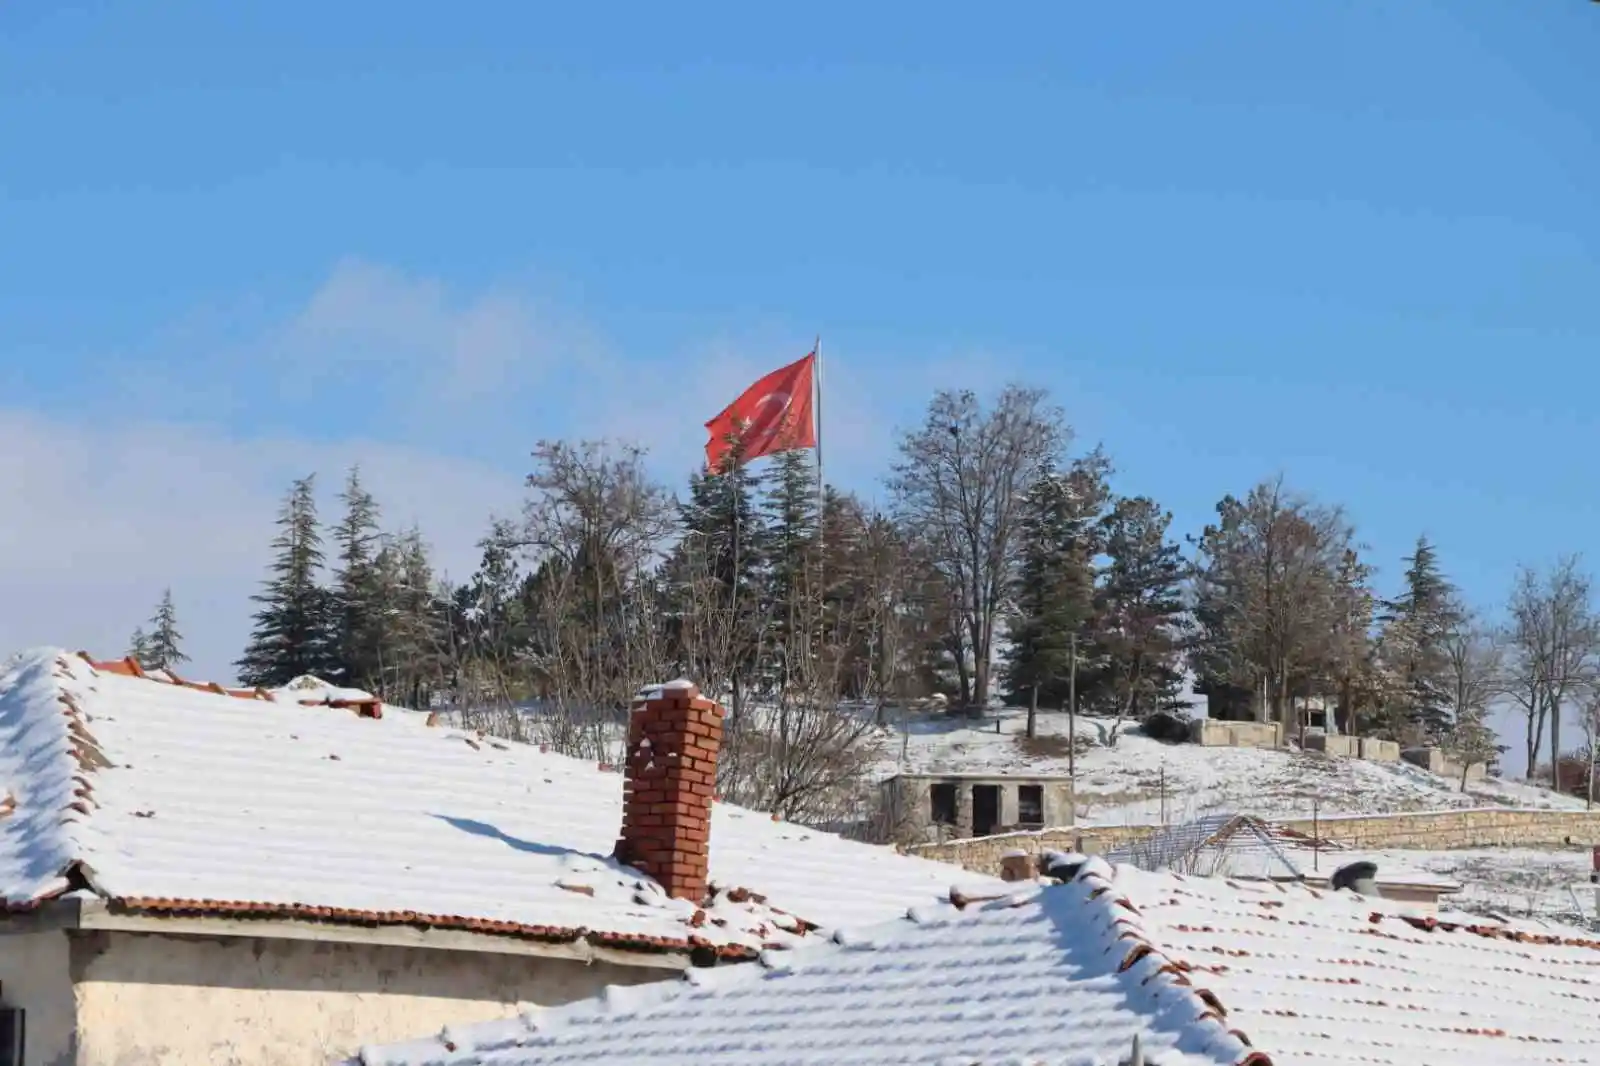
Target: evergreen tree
{"points": [[717, 567], [357, 618], [164, 646], [139, 646], [491, 608], [1049, 602], [1417, 626], [1139, 620], [411, 654], [789, 506], [291, 627], [1053, 592]]}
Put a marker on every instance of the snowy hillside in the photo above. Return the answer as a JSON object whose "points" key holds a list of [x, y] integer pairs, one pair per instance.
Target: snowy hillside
{"points": [[1141, 779], [1549, 884]]}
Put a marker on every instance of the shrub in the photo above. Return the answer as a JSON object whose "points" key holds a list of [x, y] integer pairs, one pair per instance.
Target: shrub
{"points": [[1170, 726]]}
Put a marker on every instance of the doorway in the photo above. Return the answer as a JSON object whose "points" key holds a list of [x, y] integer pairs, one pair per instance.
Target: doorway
{"points": [[985, 809]]}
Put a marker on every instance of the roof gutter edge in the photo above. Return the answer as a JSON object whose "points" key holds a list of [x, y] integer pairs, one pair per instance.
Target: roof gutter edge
{"points": [[97, 914]]}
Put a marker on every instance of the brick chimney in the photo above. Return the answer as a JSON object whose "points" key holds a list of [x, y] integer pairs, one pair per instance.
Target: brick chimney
{"points": [[673, 737]]}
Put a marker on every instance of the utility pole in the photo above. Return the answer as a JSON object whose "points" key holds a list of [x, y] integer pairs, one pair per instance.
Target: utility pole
{"points": [[1072, 721]]}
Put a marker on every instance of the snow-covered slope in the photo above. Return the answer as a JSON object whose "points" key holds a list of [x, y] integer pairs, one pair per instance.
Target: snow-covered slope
{"points": [[1140, 780]]}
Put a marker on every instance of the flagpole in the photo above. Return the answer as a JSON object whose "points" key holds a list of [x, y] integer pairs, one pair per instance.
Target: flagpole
{"points": [[817, 350], [822, 563]]}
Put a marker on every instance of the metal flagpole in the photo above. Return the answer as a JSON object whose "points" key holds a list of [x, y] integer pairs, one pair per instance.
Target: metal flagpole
{"points": [[816, 350]]}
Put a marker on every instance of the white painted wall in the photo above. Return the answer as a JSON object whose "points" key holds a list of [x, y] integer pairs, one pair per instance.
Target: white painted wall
{"points": [[35, 975], [150, 999]]}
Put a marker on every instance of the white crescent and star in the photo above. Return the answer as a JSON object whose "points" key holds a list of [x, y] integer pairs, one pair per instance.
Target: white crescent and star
{"points": [[770, 424]]}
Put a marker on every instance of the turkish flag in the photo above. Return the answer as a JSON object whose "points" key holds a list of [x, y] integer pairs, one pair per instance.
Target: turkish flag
{"points": [[771, 416]]}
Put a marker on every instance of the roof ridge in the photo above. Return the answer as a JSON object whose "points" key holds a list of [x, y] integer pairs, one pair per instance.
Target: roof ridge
{"points": [[48, 758], [128, 666], [1149, 963], [1144, 969]]}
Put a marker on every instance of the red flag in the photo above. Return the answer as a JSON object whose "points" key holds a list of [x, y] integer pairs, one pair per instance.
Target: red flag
{"points": [[771, 416]]}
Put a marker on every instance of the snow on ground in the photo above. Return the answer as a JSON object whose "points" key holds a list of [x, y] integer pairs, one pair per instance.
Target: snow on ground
{"points": [[1144, 780], [1547, 884]]}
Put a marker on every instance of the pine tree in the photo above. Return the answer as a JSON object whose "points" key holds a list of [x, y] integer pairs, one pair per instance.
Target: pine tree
{"points": [[291, 632], [358, 622], [139, 646], [1416, 629], [164, 646], [1139, 618], [492, 608], [411, 653], [1053, 593], [718, 565], [1049, 601], [789, 506]]}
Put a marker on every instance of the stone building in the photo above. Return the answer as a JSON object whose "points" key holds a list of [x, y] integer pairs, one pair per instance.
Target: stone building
{"points": [[962, 805]]}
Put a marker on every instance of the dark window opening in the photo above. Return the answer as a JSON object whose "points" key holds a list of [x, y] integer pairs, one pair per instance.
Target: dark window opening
{"points": [[943, 799], [11, 1034], [985, 809], [1030, 805]]}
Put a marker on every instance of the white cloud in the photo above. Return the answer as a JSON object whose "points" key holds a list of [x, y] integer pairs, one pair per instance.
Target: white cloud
{"points": [[367, 319], [102, 518], [105, 509]]}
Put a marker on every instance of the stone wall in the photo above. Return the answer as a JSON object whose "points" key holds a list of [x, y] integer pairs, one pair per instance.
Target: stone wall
{"points": [[1430, 830], [1332, 744]]}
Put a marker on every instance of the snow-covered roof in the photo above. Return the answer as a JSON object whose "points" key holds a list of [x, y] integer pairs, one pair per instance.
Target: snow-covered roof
{"points": [[170, 799], [308, 688], [1204, 970]]}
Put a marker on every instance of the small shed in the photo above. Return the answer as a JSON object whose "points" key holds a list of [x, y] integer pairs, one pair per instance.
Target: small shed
{"points": [[964, 805]]}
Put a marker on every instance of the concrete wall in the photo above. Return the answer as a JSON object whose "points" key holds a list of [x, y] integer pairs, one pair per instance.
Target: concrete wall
{"points": [[1332, 744], [35, 974], [1433, 830], [1210, 733], [1436, 761], [1430, 759], [148, 999], [910, 803], [1374, 750]]}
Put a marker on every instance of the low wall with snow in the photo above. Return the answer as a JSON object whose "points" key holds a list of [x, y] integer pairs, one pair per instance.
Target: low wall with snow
{"points": [[1429, 830], [1332, 744], [1374, 750], [1212, 733]]}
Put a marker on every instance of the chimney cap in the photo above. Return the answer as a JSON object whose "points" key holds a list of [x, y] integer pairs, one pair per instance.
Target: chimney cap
{"points": [[682, 687]]}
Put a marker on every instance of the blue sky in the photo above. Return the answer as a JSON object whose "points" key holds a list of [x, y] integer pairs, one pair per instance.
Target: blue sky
{"points": [[1353, 243]]}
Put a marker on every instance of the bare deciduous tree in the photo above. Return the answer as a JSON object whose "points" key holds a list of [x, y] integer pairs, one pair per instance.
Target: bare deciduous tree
{"points": [[594, 522], [1554, 645], [959, 483], [1269, 587]]}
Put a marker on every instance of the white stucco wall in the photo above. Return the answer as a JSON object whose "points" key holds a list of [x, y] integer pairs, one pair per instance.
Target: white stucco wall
{"points": [[157, 1000], [35, 975]]}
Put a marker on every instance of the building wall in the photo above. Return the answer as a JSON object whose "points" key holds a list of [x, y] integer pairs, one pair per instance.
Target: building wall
{"points": [[155, 1000], [35, 975], [908, 796], [1432, 830]]}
